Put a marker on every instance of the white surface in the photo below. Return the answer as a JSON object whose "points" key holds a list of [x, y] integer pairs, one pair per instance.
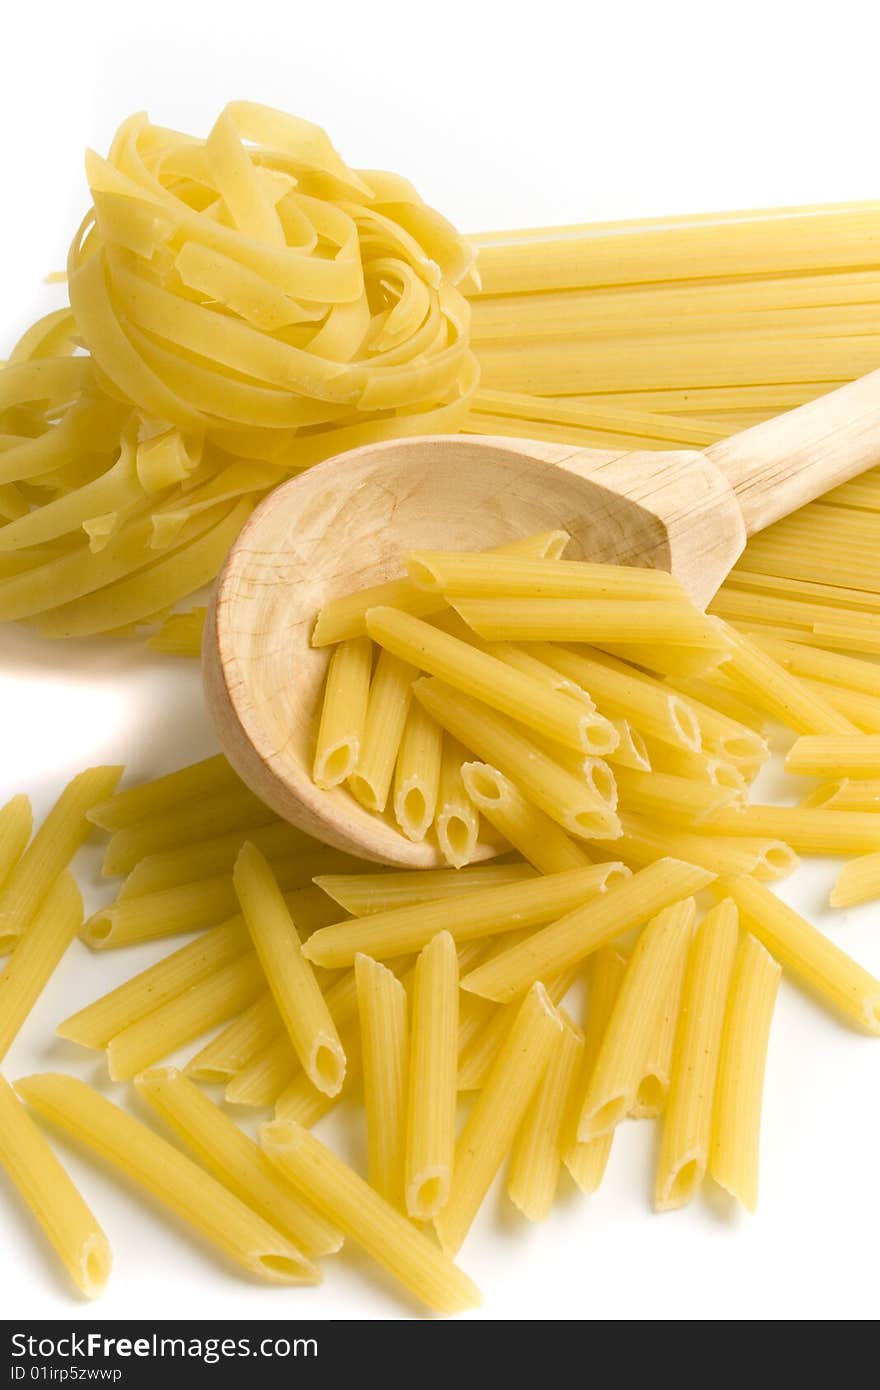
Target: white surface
{"points": [[504, 116]]}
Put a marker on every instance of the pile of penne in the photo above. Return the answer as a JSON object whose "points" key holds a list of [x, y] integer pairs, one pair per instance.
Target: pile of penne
{"points": [[436, 996]]}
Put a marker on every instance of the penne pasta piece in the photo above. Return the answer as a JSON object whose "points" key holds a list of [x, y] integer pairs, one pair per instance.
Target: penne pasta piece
{"points": [[536, 1160], [367, 1219], [300, 1101], [483, 575], [538, 838], [490, 1128], [50, 851], [261, 1080], [390, 694], [209, 858], [642, 843], [417, 775], [687, 1123], [205, 779], [168, 912], [569, 940], [38, 952], [861, 710], [496, 740], [674, 621], [587, 1161], [344, 712], [632, 750], [227, 1153], [102, 1020], [653, 1087], [52, 1198], [291, 979], [238, 1043], [382, 1007], [237, 809], [806, 829], [365, 894], [770, 686], [699, 767], [858, 794], [168, 1176], [612, 1090], [432, 1092], [857, 882], [827, 667], [218, 997], [457, 822], [710, 695], [482, 912], [835, 755], [343, 618], [16, 823], [679, 801], [736, 1121], [666, 661], [820, 966]]}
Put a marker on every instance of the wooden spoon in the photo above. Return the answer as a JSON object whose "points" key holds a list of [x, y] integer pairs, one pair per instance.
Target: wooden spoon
{"points": [[347, 523]]}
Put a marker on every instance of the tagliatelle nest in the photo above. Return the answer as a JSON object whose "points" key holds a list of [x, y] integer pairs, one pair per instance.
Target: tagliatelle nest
{"points": [[250, 305]]}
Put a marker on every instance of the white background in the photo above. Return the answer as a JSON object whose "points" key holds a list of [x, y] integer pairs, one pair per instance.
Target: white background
{"points": [[504, 115]]}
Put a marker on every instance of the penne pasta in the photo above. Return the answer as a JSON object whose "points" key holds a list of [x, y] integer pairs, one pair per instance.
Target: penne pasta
{"points": [[382, 1008], [641, 843], [678, 801], [52, 1198], [237, 809], [260, 1081], [587, 1161], [211, 858], [484, 575], [687, 1123], [367, 1219], [835, 755], [207, 778], [653, 1087], [736, 1121], [827, 667], [857, 882], [807, 830], [387, 707], [16, 823], [770, 686], [365, 894], [858, 794], [417, 774], [38, 952], [433, 1064], [538, 838], [238, 1043], [536, 1159], [168, 1176], [343, 713], [600, 620], [457, 822]]}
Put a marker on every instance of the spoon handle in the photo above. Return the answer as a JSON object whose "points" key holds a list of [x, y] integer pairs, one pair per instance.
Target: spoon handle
{"points": [[777, 466]]}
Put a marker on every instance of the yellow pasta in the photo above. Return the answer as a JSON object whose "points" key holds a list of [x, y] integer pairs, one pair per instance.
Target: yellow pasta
{"points": [[433, 1062], [382, 1007], [261, 1080], [538, 838], [677, 801], [203, 859], [343, 712], [600, 620], [860, 794], [612, 1089], [417, 775], [820, 966], [482, 912], [238, 1043], [484, 575], [50, 851], [390, 693], [835, 755], [736, 1121], [168, 1176], [536, 1160], [163, 794], [687, 1123], [365, 894], [565, 942], [234, 809], [653, 1086], [767, 684], [828, 667], [642, 843], [857, 882], [38, 952], [234, 1160], [16, 823], [297, 994], [587, 1161], [497, 1114], [367, 1219], [457, 821], [51, 1196], [804, 829], [631, 750]]}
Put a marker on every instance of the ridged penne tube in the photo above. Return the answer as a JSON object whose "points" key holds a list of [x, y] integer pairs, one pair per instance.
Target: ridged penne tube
{"points": [[498, 741], [367, 1219], [805, 829], [653, 1086], [209, 858], [261, 1080], [387, 707], [227, 1153], [483, 677], [720, 700], [168, 1175], [687, 1123], [857, 882], [343, 712], [497, 1113], [291, 979], [457, 822], [699, 767], [587, 1161], [769, 685], [365, 894], [417, 774], [612, 1089], [168, 912], [861, 710], [205, 779], [666, 661], [538, 838], [38, 952], [621, 692], [345, 617], [16, 823], [382, 1007], [600, 620], [826, 971], [237, 809], [858, 794], [827, 667], [52, 1198], [51, 850], [835, 755], [736, 1120], [643, 843], [215, 999], [548, 952], [484, 575], [102, 1020], [298, 1100], [631, 750], [537, 1155], [432, 1092], [238, 1043], [482, 912], [661, 796]]}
